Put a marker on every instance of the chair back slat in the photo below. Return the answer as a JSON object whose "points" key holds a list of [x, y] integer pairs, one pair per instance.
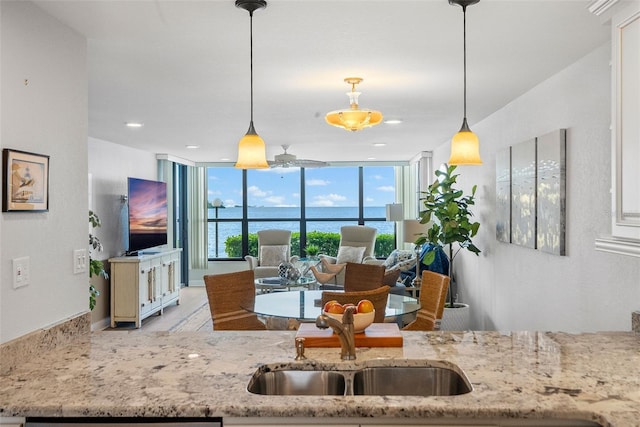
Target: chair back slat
{"points": [[433, 292], [231, 298], [378, 297], [363, 277]]}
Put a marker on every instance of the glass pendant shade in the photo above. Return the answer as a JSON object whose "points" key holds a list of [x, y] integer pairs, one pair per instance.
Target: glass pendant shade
{"points": [[465, 147], [353, 118], [252, 151]]}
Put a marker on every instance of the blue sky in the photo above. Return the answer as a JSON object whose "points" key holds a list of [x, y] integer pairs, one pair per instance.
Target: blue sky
{"points": [[280, 187]]}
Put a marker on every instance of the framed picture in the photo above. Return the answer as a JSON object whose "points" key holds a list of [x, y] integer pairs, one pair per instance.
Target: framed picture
{"points": [[25, 181]]}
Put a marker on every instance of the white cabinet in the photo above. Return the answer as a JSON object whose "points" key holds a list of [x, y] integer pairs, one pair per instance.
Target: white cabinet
{"points": [[143, 285]]}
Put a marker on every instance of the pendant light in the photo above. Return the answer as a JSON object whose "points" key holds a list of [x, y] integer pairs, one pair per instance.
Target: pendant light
{"points": [[465, 147], [353, 118], [251, 148]]}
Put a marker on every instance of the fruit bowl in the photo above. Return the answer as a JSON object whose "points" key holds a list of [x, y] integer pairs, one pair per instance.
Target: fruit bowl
{"points": [[361, 321]]}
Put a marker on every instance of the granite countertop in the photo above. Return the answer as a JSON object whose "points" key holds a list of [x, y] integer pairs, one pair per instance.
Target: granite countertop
{"points": [[593, 377]]}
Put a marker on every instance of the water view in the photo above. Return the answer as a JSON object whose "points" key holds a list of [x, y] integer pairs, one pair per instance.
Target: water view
{"points": [[315, 217]]}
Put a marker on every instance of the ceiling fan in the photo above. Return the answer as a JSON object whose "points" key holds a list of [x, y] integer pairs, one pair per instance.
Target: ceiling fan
{"points": [[286, 160]]}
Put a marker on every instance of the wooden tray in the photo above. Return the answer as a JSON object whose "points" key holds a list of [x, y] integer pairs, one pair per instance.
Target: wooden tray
{"points": [[376, 335]]}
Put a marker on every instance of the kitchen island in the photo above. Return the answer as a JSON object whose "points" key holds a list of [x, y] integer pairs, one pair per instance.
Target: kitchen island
{"points": [[515, 375]]}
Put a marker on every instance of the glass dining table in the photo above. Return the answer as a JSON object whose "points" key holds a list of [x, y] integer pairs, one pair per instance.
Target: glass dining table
{"points": [[305, 306]]}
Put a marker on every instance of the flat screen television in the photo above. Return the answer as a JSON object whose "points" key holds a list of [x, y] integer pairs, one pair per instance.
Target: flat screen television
{"points": [[147, 214]]}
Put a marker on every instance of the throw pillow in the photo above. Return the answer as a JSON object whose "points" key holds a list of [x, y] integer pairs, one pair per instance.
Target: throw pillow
{"points": [[398, 256], [273, 255], [350, 254]]}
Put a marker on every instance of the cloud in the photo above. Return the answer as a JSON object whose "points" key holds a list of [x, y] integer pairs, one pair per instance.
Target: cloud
{"points": [[334, 197], [255, 191], [327, 199], [322, 203], [276, 200], [378, 177], [317, 182], [369, 199], [387, 188]]}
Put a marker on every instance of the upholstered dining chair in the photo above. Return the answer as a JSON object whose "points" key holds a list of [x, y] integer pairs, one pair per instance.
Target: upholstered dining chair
{"points": [[357, 243], [378, 297], [363, 277], [433, 292], [274, 248], [231, 297]]}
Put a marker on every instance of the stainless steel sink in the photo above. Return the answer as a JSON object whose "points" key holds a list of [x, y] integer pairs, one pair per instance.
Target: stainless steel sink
{"points": [[403, 378], [410, 381], [296, 382]]}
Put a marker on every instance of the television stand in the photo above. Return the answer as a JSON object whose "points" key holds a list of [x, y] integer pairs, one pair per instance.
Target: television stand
{"points": [[143, 285]]}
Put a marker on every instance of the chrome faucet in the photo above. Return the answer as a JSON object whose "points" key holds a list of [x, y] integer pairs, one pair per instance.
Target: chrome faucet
{"points": [[344, 331]]}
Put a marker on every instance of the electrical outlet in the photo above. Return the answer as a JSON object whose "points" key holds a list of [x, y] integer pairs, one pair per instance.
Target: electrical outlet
{"points": [[79, 261], [21, 272]]}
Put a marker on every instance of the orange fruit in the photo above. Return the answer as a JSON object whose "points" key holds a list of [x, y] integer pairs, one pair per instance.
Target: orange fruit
{"points": [[365, 306], [335, 308], [329, 304]]}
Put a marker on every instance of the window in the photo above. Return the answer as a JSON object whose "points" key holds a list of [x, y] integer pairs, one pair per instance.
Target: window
{"points": [[309, 202]]}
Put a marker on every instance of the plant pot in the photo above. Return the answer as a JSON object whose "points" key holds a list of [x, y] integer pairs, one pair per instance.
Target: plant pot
{"points": [[457, 318]]}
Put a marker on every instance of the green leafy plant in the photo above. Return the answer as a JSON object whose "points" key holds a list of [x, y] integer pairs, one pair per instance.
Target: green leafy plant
{"points": [[452, 227], [96, 267], [312, 250]]}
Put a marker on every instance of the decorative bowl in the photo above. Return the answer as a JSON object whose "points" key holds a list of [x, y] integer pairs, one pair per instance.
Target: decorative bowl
{"points": [[361, 321]]}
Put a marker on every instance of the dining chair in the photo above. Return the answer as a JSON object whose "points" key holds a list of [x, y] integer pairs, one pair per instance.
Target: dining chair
{"points": [[378, 297], [433, 292], [231, 298], [363, 277]]}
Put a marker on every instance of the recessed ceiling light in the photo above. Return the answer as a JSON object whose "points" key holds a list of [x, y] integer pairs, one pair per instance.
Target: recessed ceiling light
{"points": [[225, 159], [393, 121], [133, 124], [192, 146], [371, 158], [379, 144]]}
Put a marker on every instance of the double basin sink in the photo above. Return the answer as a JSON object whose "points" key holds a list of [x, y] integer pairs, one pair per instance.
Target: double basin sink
{"points": [[372, 378]]}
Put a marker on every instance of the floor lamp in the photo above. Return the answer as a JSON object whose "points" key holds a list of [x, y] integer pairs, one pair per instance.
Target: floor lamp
{"points": [[394, 213], [412, 230]]}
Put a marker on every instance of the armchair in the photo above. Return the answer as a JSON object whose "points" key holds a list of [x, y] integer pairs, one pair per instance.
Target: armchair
{"points": [[357, 243], [274, 248]]}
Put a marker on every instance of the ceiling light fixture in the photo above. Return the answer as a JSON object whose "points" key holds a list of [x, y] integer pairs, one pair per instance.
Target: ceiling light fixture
{"points": [[465, 147], [251, 148], [354, 118], [133, 124]]}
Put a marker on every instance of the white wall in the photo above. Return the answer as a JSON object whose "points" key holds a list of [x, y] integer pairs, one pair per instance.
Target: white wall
{"points": [[109, 166], [515, 288], [47, 116]]}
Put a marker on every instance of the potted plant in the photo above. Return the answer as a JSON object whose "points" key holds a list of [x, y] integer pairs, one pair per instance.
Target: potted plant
{"points": [[453, 227], [312, 251], [96, 267]]}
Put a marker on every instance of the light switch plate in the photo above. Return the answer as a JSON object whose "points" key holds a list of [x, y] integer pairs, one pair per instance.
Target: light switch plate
{"points": [[21, 272], [80, 261]]}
